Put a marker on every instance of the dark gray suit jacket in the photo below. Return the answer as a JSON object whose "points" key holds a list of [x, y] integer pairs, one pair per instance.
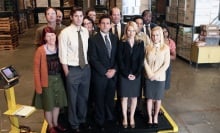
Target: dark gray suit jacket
{"points": [[98, 54]]}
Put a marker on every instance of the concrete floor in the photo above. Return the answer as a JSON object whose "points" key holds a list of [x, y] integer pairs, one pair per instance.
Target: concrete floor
{"points": [[192, 101]]}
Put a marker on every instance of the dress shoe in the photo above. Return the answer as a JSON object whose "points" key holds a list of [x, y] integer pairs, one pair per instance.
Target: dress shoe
{"points": [[77, 130], [155, 125], [52, 130], [85, 126], [125, 125], [161, 112], [132, 125], [101, 128], [149, 125], [60, 128]]}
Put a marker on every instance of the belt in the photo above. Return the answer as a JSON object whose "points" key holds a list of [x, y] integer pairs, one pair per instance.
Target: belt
{"points": [[76, 66]]}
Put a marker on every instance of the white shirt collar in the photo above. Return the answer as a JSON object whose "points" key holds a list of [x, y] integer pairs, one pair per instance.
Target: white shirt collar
{"points": [[104, 34], [118, 24], [75, 27]]}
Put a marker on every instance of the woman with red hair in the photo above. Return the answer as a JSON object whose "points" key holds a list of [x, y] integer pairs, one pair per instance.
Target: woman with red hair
{"points": [[49, 87]]}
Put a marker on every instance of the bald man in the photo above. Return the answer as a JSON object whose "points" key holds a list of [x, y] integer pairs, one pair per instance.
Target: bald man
{"points": [[115, 15]]}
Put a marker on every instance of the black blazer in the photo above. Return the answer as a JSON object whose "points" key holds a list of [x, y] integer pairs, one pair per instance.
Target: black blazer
{"points": [[122, 29], [98, 54], [130, 60]]}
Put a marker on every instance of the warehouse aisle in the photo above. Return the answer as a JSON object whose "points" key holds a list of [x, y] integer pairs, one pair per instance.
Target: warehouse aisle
{"points": [[192, 101]]}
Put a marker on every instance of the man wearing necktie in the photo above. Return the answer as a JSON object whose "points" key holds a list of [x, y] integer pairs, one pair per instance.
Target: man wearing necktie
{"points": [[116, 30], [148, 25], [117, 26], [73, 46], [102, 58], [148, 30]]}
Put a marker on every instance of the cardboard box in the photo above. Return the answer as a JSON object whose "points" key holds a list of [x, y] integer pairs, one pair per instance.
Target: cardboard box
{"points": [[173, 9], [209, 27], [212, 40], [173, 3], [21, 4], [212, 32], [182, 3], [186, 18], [186, 4], [171, 18], [167, 9]]}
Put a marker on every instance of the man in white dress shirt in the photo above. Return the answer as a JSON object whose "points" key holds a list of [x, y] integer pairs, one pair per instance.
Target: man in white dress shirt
{"points": [[73, 46], [148, 25], [115, 15]]}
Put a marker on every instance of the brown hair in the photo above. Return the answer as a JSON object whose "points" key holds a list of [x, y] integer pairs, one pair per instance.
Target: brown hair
{"points": [[45, 13], [90, 10], [103, 17], [75, 9], [88, 18]]}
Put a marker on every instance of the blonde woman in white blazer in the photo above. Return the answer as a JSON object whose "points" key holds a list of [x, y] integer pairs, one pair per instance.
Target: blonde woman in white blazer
{"points": [[157, 60]]}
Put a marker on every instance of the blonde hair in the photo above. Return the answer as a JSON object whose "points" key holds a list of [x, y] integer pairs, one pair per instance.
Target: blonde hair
{"points": [[158, 28], [132, 24]]}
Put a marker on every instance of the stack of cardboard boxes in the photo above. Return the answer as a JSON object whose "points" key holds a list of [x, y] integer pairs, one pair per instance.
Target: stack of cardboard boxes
{"points": [[190, 14], [197, 12], [209, 36]]}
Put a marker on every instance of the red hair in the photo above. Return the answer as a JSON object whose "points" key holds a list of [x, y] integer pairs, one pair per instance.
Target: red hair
{"points": [[47, 30]]}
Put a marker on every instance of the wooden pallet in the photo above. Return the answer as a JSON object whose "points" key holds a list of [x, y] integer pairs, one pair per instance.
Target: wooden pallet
{"points": [[8, 42], [8, 39], [8, 27], [11, 46], [10, 32], [6, 19], [8, 24], [8, 36]]}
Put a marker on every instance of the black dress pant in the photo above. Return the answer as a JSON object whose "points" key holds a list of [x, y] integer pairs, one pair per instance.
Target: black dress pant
{"points": [[104, 100]]}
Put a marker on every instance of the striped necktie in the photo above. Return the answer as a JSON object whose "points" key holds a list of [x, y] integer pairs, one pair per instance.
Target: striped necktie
{"points": [[108, 45]]}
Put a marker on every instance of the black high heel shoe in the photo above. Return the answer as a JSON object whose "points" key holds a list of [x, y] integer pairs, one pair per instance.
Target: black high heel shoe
{"points": [[149, 125], [132, 125], [155, 125], [125, 125]]}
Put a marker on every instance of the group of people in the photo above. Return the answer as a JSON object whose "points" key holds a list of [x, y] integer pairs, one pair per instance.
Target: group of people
{"points": [[86, 60]]}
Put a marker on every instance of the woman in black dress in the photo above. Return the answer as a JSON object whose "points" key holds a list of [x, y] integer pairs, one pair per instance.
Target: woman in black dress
{"points": [[130, 61]]}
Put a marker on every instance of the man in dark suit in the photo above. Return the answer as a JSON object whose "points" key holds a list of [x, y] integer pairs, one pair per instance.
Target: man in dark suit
{"points": [[148, 25], [102, 58], [117, 26]]}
